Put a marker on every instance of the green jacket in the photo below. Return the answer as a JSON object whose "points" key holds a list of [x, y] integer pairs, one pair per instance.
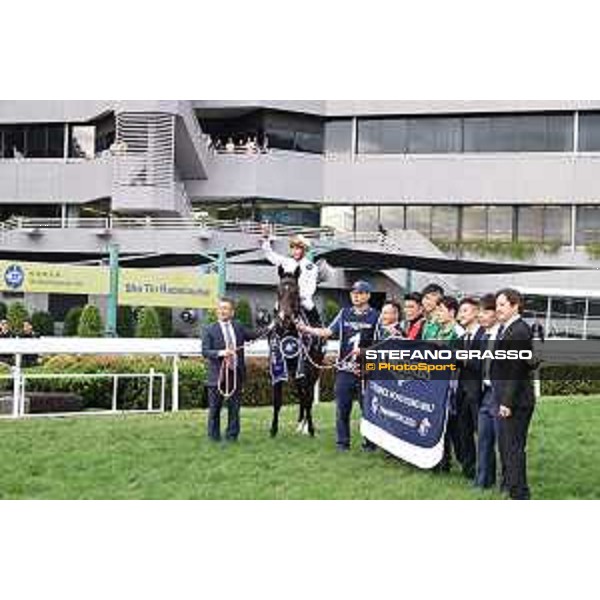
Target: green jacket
{"points": [[431, 330], [449, 334]]}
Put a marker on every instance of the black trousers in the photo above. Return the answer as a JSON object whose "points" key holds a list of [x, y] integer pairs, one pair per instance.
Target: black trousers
{"points": [[466, 427], [460, 435], [512, 441], [215, 404]]}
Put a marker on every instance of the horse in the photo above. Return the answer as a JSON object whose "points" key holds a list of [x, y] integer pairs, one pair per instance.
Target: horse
{"points": [[291, 355]]}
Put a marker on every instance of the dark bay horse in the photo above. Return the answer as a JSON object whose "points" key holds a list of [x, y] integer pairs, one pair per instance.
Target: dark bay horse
{"points": [[292, 358]]}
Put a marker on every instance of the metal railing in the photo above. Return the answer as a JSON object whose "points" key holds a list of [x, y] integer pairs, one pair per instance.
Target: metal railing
{"points": [[19, 393], [195, 221]]}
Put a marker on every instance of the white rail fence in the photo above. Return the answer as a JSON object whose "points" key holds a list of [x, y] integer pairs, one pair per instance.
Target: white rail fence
{"points": [[169, 349]]}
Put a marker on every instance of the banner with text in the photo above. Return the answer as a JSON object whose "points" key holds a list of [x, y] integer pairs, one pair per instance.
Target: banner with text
{"points": [[177, 287], [405, 410]]}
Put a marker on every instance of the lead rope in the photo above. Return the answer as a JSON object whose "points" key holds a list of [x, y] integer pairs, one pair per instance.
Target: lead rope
{"points": [[228, 376]]}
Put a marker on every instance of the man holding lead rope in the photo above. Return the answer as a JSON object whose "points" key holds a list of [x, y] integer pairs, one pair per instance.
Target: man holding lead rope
{"points": [[223, 347]]}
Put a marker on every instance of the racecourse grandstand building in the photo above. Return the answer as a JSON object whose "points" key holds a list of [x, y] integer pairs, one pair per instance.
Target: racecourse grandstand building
{"points": [[467, 181]]}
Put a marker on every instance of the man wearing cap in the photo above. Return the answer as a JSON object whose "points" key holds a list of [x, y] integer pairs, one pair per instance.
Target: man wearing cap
{"points": [[309, 272], [355, 328]]}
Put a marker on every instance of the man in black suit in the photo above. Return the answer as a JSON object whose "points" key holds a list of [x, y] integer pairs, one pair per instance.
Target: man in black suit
{"points": [[515, 396], [469, 392], [223, 347]]}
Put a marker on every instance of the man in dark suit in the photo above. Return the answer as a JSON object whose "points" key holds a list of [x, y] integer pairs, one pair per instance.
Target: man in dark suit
{"points": [[223, 347], [515, 396], [469, 392]]}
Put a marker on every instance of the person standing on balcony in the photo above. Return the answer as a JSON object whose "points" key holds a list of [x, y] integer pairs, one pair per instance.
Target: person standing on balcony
{"points": [[309, 271]]}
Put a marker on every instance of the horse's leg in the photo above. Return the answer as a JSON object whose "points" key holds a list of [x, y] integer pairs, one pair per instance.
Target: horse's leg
{"points": [[310, 398], [301, 409], [277, 401], [306, 399]]}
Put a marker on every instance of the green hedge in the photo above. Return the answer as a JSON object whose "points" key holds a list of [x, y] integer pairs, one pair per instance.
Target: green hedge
{"points": [[571, 380], [43, 323], [16, 315], [97, 393], [90, 323], [148, 325], [71, 324]]}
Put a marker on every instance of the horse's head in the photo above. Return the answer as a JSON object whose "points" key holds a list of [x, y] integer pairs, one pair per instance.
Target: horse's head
{"points": [[288, 297]]}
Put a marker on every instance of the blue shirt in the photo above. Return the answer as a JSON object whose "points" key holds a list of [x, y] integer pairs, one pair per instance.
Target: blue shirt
{"points": [[354, 329]]}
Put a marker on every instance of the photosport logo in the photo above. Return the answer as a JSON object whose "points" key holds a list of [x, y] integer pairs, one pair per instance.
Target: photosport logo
{"points": [[14, 276]]}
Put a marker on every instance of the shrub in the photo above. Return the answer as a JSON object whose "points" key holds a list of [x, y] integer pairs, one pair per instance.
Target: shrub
{"points": [[330, 311], [43, 323], [570, 380], [210, 316], [148, 325], [2, 310], [133, 393], [243, 312], [90, 323], [125, 322], [5, 383], [71, 324], [165, 316], [16, 315]]}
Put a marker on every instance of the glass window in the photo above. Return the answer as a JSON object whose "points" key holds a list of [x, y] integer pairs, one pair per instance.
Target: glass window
{"points": [[56, 141], [444, 223], [474, 223], [60, 304], [432, 136], [282, 139], [557, 224], [531, 223], [338, 137], [382, 136], [339, 218], [309, 142], [367, 218], [14, 142], [588, 225], [83, 141], [303, 215], [392, 217], [500, 223], [36, 145], [519, 133], [589, 132], [418, 218]]}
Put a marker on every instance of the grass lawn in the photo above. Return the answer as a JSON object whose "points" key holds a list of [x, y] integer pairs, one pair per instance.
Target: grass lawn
{"points": [[168, 456]]}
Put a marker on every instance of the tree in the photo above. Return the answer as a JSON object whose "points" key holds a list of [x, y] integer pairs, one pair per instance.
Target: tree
{"points": [[332, 308], [71, 324], [90, 323], [165, 316], [148, 325], [43, 323], [16, 315], [243, 312], [125, 322], [2, 310], [210, 317]]}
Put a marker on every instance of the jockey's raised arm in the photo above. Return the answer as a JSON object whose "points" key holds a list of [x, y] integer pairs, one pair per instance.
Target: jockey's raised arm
{"points": [[309, 272]]}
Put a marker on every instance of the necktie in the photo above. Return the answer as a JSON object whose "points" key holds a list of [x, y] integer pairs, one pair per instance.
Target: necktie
{"points": [[230, 342], [500, 332], [487, 363]]}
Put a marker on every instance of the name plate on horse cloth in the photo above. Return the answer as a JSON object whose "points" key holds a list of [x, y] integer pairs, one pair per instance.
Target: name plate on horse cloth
{"points": [[405, 411]]}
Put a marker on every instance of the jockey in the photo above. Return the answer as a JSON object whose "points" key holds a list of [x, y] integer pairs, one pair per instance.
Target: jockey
{"points": [[309, 271]]}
